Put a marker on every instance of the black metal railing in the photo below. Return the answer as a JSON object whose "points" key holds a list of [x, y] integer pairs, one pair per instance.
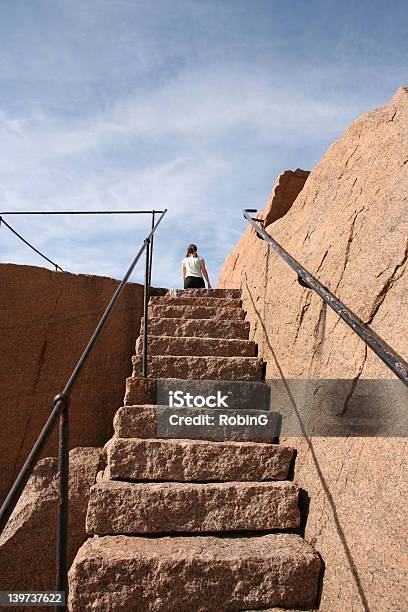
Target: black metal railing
{"points": [[32, 247], [385, 352], [70, 213], [61, 410]]}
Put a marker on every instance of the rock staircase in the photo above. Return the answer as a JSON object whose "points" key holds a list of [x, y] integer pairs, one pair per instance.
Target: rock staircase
{"points": [[193, 524], [199, 337]]}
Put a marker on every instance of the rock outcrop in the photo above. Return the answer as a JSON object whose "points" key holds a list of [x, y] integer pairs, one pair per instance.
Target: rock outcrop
{"points": [[28, 543], [349, 228], [285, 191], [46, 320]]}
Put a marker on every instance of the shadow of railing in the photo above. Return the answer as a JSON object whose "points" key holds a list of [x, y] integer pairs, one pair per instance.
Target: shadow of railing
{"points": [[304, 499]]}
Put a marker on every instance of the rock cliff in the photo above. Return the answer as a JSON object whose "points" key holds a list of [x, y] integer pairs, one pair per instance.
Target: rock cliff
{"points": [[349, 227], [46, 320]]}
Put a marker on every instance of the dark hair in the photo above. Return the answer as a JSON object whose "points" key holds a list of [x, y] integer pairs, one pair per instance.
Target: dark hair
{"points": [[192, 250]]}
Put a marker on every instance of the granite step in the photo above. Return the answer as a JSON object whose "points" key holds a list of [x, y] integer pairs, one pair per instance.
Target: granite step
{"points": [[117, 507], [196, 460], [233, 294], [153, 421], [199, 328], [192, 367], [202, 573], [195, 312], [173, 345], [186, 300]]}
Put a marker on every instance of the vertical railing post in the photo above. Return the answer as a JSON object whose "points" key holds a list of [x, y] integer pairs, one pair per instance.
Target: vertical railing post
{"points": [[146, 308], [63, 498], [151, 252]]}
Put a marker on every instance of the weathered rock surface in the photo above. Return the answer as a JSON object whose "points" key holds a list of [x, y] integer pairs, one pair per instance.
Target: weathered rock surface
{"points": [[46, 321], [166, 345], [349, 227], [194, 573], [187, 366], [357, 519], [200, 328], [169, 507], [28, 544], [185, 300], [195, 312], [140, 391], [195, 460], [285, 191], [152, 422]]}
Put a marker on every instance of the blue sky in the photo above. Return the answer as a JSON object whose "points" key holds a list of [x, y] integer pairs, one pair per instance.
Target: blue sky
{"points": [[196, 105]]}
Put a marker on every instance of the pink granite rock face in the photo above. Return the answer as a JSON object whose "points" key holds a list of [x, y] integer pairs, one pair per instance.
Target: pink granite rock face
{"points": [[186, 574], [132, 508], [46, 320], [166, 345], [285, 191], [214, 368], [140, 391], [349, 227], [200, 328], [28, 543], [196, 460]]}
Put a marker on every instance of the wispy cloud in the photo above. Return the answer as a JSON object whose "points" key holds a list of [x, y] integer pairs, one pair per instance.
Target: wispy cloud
{"points": [[187, 105]]}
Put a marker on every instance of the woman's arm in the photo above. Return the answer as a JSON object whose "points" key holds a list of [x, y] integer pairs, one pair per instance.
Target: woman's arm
{"points": [[183, 272], [205, 273]]}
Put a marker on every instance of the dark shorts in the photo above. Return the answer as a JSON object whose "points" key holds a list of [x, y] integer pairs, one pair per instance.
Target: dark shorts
{"points": [[194, 282]]}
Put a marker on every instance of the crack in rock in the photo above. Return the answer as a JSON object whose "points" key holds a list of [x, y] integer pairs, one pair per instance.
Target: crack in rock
{"points": [[353, 385], [300, 319], [386, 287], [348, 246], [322, 261]]}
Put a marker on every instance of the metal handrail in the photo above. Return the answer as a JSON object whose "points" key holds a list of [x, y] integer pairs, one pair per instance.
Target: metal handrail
{"points": [[73, 212], [56, 266], [385, 352], [60, 409], [80, 212]]}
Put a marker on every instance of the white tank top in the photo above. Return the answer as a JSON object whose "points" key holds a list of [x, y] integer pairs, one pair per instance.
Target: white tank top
{"points": [[193, 266]]}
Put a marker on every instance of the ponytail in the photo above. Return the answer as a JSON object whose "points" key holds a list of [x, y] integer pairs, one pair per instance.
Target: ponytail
{"points": [[192, 250]]}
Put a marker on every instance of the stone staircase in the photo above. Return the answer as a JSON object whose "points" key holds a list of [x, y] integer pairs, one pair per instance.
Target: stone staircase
{"points": [[193, 524], [194, 337]]}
